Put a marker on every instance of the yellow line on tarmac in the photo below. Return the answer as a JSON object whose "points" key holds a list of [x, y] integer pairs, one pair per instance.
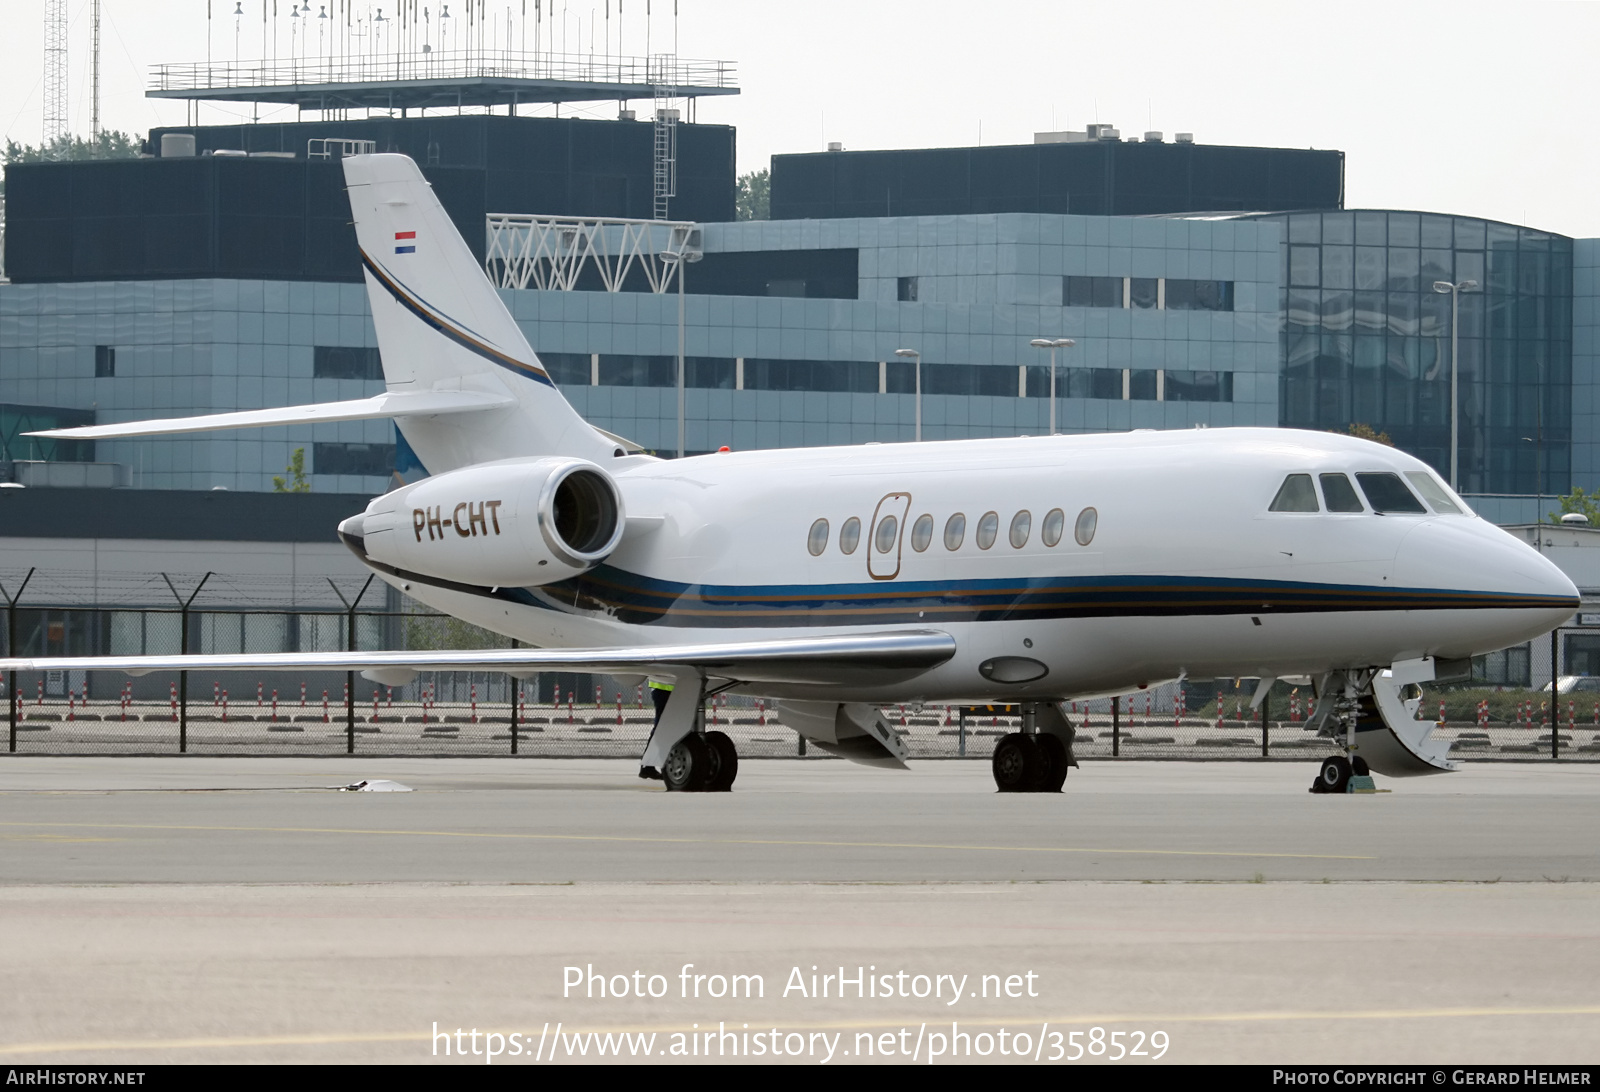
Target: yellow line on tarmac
{"points": [[626, 838], [530, 1036]]}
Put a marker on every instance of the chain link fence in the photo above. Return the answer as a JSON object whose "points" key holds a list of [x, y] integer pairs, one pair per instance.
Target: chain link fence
{"points": [[570, 714]]}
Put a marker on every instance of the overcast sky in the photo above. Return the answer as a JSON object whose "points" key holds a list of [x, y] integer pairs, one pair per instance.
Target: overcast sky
{"points": [[1466, 107]]}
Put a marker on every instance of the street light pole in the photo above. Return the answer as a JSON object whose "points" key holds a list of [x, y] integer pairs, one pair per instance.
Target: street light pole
{"points": [[914, 355], [1455, 289], [1052, 344], [679, 259]]}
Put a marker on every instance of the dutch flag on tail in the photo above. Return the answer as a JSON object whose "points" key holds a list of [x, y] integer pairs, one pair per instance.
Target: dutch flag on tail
{"points": [[399, 235]]}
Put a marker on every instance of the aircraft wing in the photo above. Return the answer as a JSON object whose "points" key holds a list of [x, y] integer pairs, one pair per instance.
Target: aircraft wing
{"points": [[388, 404], [867, 658]]}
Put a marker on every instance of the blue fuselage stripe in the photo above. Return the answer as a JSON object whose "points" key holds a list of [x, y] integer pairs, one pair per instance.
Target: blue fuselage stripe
{"points": [[641, 600]]}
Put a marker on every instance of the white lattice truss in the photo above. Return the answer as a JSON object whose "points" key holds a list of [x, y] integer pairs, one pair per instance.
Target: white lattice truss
{"points": [[551, 252]]}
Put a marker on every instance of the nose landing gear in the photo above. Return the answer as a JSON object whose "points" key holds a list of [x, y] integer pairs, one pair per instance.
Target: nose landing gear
{"points": [[1345, 708]]}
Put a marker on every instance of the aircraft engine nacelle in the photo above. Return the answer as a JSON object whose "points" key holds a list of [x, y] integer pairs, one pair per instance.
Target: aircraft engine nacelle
{"points": [[516, 523]]}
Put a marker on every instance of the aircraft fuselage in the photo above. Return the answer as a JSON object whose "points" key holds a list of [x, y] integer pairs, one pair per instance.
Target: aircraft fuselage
{"points": [[1073, 566]]}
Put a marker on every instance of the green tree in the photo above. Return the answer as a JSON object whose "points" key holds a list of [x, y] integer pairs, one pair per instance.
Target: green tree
{"points": [[754, 199], [114, 144], [1365, 432], [296, 482], [1578, 501]]}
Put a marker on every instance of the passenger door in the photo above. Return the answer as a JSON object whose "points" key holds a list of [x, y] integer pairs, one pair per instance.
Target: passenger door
{"points": [[887, 532]]}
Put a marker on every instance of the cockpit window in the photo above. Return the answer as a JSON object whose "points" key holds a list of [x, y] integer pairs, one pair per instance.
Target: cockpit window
{"points": [[1433, 493], [1340, 494], [1388, 494], [1295, 495]]}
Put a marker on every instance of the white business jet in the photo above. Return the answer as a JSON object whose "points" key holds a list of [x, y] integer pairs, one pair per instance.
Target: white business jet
{"points": [[835, 580]]}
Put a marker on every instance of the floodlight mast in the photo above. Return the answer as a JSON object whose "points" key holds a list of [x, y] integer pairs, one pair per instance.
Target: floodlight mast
{"points": [[678, 259], [916, 356], [1455, 290], [1052, 344]]}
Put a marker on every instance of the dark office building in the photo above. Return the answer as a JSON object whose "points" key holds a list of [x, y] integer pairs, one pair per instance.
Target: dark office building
{"points": [[273, 213], [1088, 178]]}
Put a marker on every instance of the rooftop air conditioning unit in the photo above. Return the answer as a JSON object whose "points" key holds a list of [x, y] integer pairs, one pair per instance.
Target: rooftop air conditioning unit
{"points": [[1152, 137], [1183, 138], [835, 146], [176, 145]]}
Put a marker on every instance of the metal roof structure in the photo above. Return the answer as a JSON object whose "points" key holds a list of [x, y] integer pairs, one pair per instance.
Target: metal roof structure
{"points": [[438, 79]]}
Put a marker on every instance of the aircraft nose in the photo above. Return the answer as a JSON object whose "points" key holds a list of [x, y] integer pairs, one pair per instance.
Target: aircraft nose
{"points": [[1478, 560]]}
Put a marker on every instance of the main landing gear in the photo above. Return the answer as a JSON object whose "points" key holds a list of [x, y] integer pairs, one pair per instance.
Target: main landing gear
{"points": [[699, 762], [1037, 758], [680, 752]]}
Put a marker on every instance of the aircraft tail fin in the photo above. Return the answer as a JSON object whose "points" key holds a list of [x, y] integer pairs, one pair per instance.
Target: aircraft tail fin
{"points": [[441, 326]]}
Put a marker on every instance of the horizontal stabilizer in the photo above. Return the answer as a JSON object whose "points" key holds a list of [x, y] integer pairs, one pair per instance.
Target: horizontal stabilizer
{"points": [[866, 658], [388, 404]]}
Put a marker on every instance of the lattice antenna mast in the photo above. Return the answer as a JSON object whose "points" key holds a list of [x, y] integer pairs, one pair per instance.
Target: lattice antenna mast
{"points": [[94, 113], [55, 72]]}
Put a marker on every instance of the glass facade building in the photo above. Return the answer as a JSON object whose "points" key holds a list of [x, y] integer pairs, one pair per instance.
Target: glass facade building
{"points": [[1179, 329], [1366, 339]]}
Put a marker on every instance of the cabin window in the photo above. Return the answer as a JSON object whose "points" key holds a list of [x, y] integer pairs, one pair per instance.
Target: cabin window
{"points": [[1433, 492], [849, 535], [922, 533], [1388, 494], [886, 534], [988, 528], [817, 540], [1296, 494], [1340, 494], [1021, 524], [1083, 530], [955, 530], [1054, 521]]}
